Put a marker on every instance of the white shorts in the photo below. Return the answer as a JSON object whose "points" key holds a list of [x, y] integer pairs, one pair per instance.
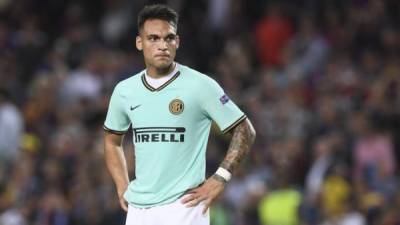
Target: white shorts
{"points": [[174, 213]]}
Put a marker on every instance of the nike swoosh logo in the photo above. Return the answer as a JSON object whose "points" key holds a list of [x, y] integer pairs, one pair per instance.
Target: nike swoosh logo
{"points": [[133, 108]]}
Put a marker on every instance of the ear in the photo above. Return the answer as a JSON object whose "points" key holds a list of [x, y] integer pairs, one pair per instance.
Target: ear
{"points": [[178, 41], [139, 43]]}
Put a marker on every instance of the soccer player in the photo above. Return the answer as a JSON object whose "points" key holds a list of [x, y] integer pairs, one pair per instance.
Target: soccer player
{"points": [[170, 108]]}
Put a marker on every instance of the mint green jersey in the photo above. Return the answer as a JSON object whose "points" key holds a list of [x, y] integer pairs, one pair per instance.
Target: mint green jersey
{"points": [[171, 125]]}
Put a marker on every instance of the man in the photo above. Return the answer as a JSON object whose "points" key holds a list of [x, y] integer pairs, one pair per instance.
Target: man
{"points": [[170, 108]]}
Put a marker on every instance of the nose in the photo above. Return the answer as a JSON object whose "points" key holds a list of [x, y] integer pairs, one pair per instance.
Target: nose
{"points": [[163, 45]]}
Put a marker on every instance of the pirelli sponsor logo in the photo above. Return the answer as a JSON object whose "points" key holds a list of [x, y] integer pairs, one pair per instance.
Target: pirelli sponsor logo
{"points": [[159, 134]]}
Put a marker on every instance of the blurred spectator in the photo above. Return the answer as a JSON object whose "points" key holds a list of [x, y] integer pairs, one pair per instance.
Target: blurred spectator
{"points": [[283, 114], [52, 210], [116, 20], [322, 161], [281, 205], [373, 153], [234, 67], [218, 15], [12, 217], [272, 34], [5, 35], [307, 51], [30, 42], [11, 129], [85, 83], [350, 215], [336, 190], [219, 216]]}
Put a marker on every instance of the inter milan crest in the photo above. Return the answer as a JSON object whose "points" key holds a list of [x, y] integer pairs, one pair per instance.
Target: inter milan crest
{"points": [[176, 106]]}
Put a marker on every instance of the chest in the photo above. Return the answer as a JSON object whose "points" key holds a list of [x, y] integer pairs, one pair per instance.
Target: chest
{"points": [[163, 108]]}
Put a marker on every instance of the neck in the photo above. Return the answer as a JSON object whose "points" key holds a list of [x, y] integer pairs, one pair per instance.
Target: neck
{"points": [[160, 72]]}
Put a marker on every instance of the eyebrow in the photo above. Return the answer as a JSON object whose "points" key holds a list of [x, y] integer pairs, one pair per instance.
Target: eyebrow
{"points": [[156, 35]]}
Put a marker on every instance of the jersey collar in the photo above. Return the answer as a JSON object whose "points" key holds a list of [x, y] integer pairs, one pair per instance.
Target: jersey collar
{"points": [[148, 86]]}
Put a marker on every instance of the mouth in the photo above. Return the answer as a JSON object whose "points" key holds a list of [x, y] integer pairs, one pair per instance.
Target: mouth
{"points": [[162, 56]]}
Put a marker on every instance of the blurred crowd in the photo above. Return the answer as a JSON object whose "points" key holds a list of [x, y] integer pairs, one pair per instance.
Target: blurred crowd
{"points": [[319, 79]]}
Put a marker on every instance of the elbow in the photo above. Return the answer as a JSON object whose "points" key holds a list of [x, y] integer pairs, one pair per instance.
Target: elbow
{"points": [[251, 132], [253, 135]]}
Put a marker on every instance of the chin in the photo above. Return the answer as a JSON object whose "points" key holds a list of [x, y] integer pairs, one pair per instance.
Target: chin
{"points": [[164, 65]]}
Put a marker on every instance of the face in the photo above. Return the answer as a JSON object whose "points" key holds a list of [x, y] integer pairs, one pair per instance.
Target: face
{"points": [[158, 41]]}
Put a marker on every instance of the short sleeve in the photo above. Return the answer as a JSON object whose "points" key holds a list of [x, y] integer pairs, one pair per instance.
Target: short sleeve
{"points": [[219, 107], [117, 121]]}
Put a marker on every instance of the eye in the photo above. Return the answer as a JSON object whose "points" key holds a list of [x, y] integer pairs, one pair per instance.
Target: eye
{"points": [[153, 38], [170, 38]]}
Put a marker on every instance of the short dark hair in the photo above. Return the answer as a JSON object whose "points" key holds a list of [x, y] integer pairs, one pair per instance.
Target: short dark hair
{"points": [[158, 11]]}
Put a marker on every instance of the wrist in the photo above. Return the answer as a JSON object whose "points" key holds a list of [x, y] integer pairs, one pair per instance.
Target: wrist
{"points": [[121, 194], [223, 174], [219, 178], [121, 191]]}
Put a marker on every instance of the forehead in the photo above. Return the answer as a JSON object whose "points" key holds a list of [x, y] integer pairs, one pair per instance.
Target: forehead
{"points": [[157, 27]]}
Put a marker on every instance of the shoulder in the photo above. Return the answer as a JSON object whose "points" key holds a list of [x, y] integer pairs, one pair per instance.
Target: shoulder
{"points": [[127, 85], [198, 79]]}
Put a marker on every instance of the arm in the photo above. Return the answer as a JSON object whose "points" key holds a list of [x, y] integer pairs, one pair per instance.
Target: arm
{"points": [[242, 139], [116, 164]]}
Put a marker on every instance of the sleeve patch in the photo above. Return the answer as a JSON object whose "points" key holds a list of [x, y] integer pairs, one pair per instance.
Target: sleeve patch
{"points": [[224, 99]]}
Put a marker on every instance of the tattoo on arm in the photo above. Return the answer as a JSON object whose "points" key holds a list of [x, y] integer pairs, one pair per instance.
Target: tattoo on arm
{"points": [[242, 139]]}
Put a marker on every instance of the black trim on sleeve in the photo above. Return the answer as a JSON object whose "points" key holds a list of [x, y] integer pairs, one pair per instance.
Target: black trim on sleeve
{"points": [[114, 131], [234, 124]]}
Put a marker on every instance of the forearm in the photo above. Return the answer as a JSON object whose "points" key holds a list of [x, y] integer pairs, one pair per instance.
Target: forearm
{"points": [[242, 139], [116, 165]]}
